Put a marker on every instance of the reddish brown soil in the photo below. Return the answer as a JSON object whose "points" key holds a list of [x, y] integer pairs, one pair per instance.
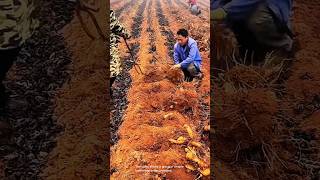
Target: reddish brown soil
{"points": [[312, 124], [280, 137], [81, 108], [145, 132], [305, 70], [255, 107]]}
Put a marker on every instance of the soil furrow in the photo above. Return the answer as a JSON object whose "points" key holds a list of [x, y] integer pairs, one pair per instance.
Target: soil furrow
{"points": [[169, 3], [179, 3], [137, 21], [163, 21], [124, 7], [80, 106], [41, 69], [205, 2], [203, 6], [119, 97], [150, 30]]}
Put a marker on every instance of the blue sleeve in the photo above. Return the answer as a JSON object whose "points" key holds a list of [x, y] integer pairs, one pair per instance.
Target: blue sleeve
{"points": [[237, 9], [215, 4], [192, 54], [176, 55]]}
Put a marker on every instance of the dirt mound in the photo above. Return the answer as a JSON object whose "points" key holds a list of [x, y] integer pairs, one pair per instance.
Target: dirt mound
{"points": [[158, 72], [243, 76], [154, 87], [174, 75], [279, 137], [153, 74], [245, 121], [185, 101]]}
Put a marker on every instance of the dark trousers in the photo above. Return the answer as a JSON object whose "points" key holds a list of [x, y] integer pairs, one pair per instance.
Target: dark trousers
{"points": [[261, 33], [7, 57], [190, 72]]}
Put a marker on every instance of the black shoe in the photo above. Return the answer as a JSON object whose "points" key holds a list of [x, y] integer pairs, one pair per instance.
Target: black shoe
{"points": [[188, 78]]}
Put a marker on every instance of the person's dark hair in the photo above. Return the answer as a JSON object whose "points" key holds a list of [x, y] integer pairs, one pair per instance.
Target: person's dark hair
{"points": [[183, 32]]}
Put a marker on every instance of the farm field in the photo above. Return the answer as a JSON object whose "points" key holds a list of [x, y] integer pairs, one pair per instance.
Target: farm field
{"points": [[156, 107]]}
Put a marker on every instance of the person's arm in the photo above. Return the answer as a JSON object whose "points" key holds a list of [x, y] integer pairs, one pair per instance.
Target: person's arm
{"points": [[237, 8], [176, 57], [116, 27], [234, 10], [215, 4], [191, 56]]}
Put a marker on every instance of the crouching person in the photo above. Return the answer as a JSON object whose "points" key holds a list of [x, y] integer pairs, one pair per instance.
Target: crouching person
{"points": [[194, 8], [187, 56]]}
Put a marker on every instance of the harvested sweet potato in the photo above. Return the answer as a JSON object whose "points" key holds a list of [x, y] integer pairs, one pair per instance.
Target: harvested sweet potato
{"points": [[189, 130], [180, 140], [197, 144]]}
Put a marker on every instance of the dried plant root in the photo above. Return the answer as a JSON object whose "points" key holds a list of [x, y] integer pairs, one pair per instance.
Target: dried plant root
{"points": [[180, 140], [190, 149], [167, 116], [191, 155], [189, 130], [197, 144], [201, 163], [190, 167], [205, 172]]}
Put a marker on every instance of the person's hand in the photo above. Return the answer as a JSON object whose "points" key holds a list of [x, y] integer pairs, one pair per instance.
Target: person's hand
{"points": [[128, 36], [218, 14], [176, 66]]}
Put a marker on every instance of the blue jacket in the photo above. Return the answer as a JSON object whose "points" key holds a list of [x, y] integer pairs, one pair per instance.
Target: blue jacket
{"points": [[240, 9], [188, 54]]}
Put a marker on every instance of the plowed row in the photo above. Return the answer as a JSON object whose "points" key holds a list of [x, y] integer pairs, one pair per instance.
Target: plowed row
{"points": [[159, 102]]}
